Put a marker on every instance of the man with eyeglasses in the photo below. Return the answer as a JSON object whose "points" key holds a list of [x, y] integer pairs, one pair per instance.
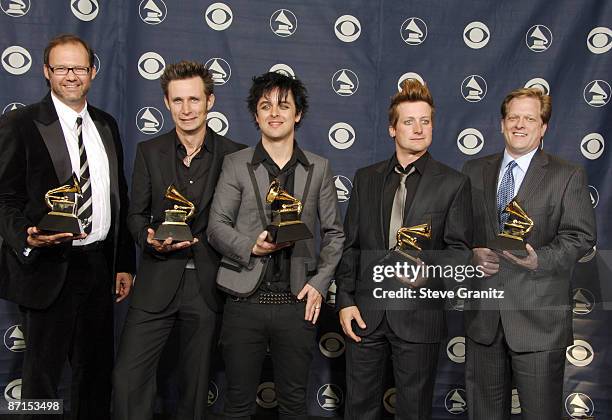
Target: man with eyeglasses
{"points": [[523, 337], [64, 282]]}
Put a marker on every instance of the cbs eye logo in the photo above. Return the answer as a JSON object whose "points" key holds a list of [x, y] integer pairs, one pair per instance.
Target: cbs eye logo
{"points": [[266, 395], [580, 353], [476, 35], [12, 392], [599, 40], [347, 28], [85, 10], [389, 399], [219, 16], [332, 345], [152, 12], [592, 146], [455, 349], [341, 135], [213, 393], [470, 141], [16, 60], [217, 122], [539, 83], [151, 65], [283, 69]]}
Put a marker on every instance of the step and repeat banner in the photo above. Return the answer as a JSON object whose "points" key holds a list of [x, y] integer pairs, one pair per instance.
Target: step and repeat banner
{"points": [[352, 55]]}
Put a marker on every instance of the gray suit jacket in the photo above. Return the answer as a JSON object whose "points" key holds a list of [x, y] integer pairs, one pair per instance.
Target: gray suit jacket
{"points": [[535, 312], [235, 223]]}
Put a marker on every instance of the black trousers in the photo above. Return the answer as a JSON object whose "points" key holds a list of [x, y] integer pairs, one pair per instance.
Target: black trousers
{"points": [[247, 331], [538, 377], [78, 327], [142, 341], [414, 370]]}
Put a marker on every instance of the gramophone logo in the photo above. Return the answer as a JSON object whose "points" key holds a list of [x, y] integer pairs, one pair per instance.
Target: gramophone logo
{"points": [[331, 294], [597, 93], [151, 65], [266, 395], [457, 303], [16, 60], [213, 393], [539, 83], [592, 146], [14, 339], [97, 65], [413, 31], [341, 135], [582, 301], [599, 40], [594, 194], [347, 28], [455, 401], [217, 122], [329, 397], [476, 35], [15, 8], [455, 349], [578, 405], [85, 10], [152, 12], [12, 106], [580, 353], [218, 16], [409, 75], [345, 82], [12, 392], [538, 38], [149, 120], [474, 88], [332, 345], [515, 402], [220, 70], [283, 69], [344, 186], [389, 399], [470, 141], [283, 23]]}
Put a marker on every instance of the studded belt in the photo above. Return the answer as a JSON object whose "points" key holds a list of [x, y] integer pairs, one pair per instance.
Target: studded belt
{"points": [[270, 298]]}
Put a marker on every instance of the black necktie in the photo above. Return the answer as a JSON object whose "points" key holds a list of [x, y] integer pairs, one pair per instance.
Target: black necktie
{"points": [[85, 203]]}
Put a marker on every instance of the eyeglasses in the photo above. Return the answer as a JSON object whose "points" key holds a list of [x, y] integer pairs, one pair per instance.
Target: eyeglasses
{"points": [[62, 70]]}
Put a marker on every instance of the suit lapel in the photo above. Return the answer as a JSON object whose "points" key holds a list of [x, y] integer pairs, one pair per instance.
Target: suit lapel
{"points": [[533, 177], [490, 172], [213, 170], [167, 162], [50, 130], [423, 198], [377, 197]]}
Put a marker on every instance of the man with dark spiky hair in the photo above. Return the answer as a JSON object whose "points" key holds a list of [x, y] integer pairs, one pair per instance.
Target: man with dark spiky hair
{"points": [[176, 280], [274, 290]]}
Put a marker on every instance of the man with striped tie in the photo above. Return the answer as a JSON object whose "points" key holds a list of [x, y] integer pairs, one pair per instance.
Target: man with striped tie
{"points": [[63, 282]]}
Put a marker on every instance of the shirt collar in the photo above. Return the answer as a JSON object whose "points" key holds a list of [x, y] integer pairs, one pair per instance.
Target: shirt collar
{"points": [[208, 145], [522, 162], [260, 154], [66, 114], [419, 164]]}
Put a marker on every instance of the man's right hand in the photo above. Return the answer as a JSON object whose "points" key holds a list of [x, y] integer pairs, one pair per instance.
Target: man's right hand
{"points": [[487, 259], [346, 317], [40, 239], [167, 245], [262, 247]]}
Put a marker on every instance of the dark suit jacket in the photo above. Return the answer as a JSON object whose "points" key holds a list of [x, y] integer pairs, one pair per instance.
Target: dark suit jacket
{"points": [[442, 197], [34, 160], [159, 275], [535, 312]]}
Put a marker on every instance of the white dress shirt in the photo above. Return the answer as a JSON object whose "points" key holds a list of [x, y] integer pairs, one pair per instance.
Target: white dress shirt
{"points": [[519, 171]]}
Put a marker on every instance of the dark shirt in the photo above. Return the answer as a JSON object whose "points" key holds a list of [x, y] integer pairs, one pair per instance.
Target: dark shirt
{"points": [[392, 181], [276, 277]]}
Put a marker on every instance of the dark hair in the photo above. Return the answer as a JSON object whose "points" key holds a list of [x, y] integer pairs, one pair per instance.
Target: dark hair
{"points": [[412, 91], [186, 70], [67, 39], [544, 99], [267, 82]]}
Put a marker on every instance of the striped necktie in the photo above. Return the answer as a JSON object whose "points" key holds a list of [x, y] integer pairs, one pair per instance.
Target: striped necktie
{"points": [[84, 211], [505, 194]]}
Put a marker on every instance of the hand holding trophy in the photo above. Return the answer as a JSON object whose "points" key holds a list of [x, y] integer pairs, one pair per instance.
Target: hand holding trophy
{"points": [[174, 225], [63, 214], [286, 225]]}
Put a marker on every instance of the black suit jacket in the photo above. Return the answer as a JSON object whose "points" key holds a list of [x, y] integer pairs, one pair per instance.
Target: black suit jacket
{"points": [[159, 275], [442, 197], [535, 312], [34, 160]]}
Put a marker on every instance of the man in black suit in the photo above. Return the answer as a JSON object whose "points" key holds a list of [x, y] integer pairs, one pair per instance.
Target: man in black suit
{"points": [[524, 336], [63, 282], [411, 329], [176, 280]]}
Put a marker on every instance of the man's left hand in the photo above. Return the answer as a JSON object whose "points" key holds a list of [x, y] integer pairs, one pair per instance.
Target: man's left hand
{"points": [[123, 285], [313, 303], [530, 262]]}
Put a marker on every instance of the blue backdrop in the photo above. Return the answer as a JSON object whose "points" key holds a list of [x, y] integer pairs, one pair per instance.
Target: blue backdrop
{"points": [[351, 56]]}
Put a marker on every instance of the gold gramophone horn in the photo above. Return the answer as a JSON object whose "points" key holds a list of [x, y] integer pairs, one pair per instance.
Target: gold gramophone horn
{"points": [[173, 194], [406, 235], [56, 194], [276, 193]]}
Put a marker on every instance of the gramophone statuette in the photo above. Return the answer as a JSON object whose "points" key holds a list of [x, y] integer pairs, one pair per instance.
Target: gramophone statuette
{"points": [[175, 222], [63, 215], [516, 229], [286, 225]]}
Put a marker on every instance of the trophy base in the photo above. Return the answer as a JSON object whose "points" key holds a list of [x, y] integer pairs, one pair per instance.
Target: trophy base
{"points": [[290, 232], [179, 232], [398, 255], [60, 223], [503, 243]]}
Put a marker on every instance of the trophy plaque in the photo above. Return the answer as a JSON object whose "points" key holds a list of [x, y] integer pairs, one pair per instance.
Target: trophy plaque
{"points": [[175, 222], [63, 215], [518, 226], [286, 225]]}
